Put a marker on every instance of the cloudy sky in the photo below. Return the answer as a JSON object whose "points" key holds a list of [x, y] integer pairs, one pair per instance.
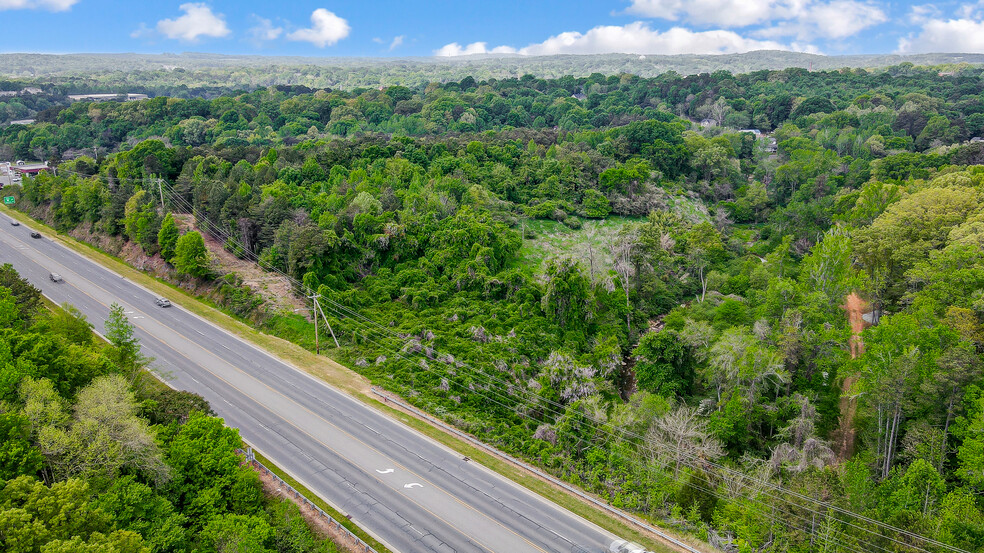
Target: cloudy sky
{"points": [[452, 28]]}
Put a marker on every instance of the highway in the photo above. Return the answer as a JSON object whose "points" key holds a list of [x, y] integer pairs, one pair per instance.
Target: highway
{"points": [[405, 489]]}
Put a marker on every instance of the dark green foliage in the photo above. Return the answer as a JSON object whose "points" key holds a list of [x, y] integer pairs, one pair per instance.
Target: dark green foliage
{"points": [[26, 296], [125, 493], [18, 456], [665, 365], [474, 221]]}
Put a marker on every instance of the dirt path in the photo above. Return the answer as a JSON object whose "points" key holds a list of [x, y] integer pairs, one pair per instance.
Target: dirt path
{"points": [[845, 434]]}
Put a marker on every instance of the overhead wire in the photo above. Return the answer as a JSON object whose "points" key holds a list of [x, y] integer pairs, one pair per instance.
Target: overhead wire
{"points": [[340, 309], [366, 325]]}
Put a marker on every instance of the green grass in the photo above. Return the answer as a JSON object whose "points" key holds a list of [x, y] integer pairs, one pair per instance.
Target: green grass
{"points": [[358, 386], [546, 239]]}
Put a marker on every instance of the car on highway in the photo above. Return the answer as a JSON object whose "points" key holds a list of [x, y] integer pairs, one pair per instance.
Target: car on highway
{"points": [[15, 223], [163, 302], [35, 234], [55, 277]]}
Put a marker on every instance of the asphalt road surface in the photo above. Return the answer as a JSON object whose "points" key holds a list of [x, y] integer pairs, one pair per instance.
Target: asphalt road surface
{"points": [[405, 489]]}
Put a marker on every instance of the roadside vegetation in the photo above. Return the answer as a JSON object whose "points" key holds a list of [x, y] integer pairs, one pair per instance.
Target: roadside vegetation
{"points": [[576, 272], [98, 456]]}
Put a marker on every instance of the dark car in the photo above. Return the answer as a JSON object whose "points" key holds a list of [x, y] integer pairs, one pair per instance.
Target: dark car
{"points": [[163, 302], [35, 234]]}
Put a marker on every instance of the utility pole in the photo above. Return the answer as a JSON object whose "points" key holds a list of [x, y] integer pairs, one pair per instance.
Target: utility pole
{"points": [[325, 318], [314, 310]]}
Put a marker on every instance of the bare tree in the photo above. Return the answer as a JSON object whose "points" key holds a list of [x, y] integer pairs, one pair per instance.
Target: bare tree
{"points": [[681, 436], [803, 449], [622, 257]]}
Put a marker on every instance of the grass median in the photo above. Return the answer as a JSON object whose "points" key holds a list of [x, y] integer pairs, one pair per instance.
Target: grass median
{"points": [[355, 385]]}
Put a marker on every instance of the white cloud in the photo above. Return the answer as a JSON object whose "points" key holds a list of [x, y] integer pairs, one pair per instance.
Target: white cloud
{"points": [[726, 13], [198, 21], [326, 29], [949, 35], [50, 5], [638, 38], [455, 49], [802, 18], [837, 19], [264, 30], [634, 38]]}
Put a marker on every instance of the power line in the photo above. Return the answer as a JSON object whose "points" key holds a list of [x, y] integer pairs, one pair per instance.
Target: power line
{"points": [[378, 327], [364, 324]]}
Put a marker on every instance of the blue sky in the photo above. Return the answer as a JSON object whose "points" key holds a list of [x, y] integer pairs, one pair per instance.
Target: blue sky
{"points": [[450, 28]]}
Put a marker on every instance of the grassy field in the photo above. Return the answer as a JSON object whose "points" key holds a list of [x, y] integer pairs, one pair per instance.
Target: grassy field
{"points": [[590, 244], [357, 386]]}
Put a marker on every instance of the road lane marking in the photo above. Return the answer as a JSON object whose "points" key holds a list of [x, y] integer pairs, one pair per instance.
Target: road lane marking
{"points": [[412, 485], [387, 471], [302, 407], [276, 414]]}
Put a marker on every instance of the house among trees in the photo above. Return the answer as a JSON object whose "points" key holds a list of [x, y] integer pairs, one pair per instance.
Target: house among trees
{"points": [[708, 123], [22, 168], [127, 97]]}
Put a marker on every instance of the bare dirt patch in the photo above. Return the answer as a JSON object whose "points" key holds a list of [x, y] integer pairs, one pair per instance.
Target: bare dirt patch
{"points": [[845, 434], [275, 289]]}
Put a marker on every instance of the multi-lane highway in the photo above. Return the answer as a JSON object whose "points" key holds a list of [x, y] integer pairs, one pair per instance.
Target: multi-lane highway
{"points": [[407, 490]]}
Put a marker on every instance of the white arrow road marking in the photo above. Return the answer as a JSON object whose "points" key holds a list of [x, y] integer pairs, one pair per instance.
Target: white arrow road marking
{"points": [[387, 471], [413, 484]]}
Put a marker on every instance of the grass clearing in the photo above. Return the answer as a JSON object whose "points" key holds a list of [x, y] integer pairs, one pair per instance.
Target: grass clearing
{"points": [[589, 244], [358, 386]]}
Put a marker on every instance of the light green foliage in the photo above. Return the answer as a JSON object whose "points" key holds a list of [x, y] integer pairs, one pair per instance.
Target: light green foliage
{"points": [[244, 534], [113, 483], [167, 237], [136, 507], [119, 332], [971, 453], [595, 204], [208, 476], [33, 516], [142, 221], [707, 269], [190, 255], [72, 324], [104, 437]]}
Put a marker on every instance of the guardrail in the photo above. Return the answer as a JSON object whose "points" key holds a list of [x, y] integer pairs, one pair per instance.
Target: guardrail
{"points": [[552, 479], [330, 520]]}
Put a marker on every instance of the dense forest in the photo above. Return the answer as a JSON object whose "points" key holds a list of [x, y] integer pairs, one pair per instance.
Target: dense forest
{"points": [[770, 339], [97, 456], [151, 73]]}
